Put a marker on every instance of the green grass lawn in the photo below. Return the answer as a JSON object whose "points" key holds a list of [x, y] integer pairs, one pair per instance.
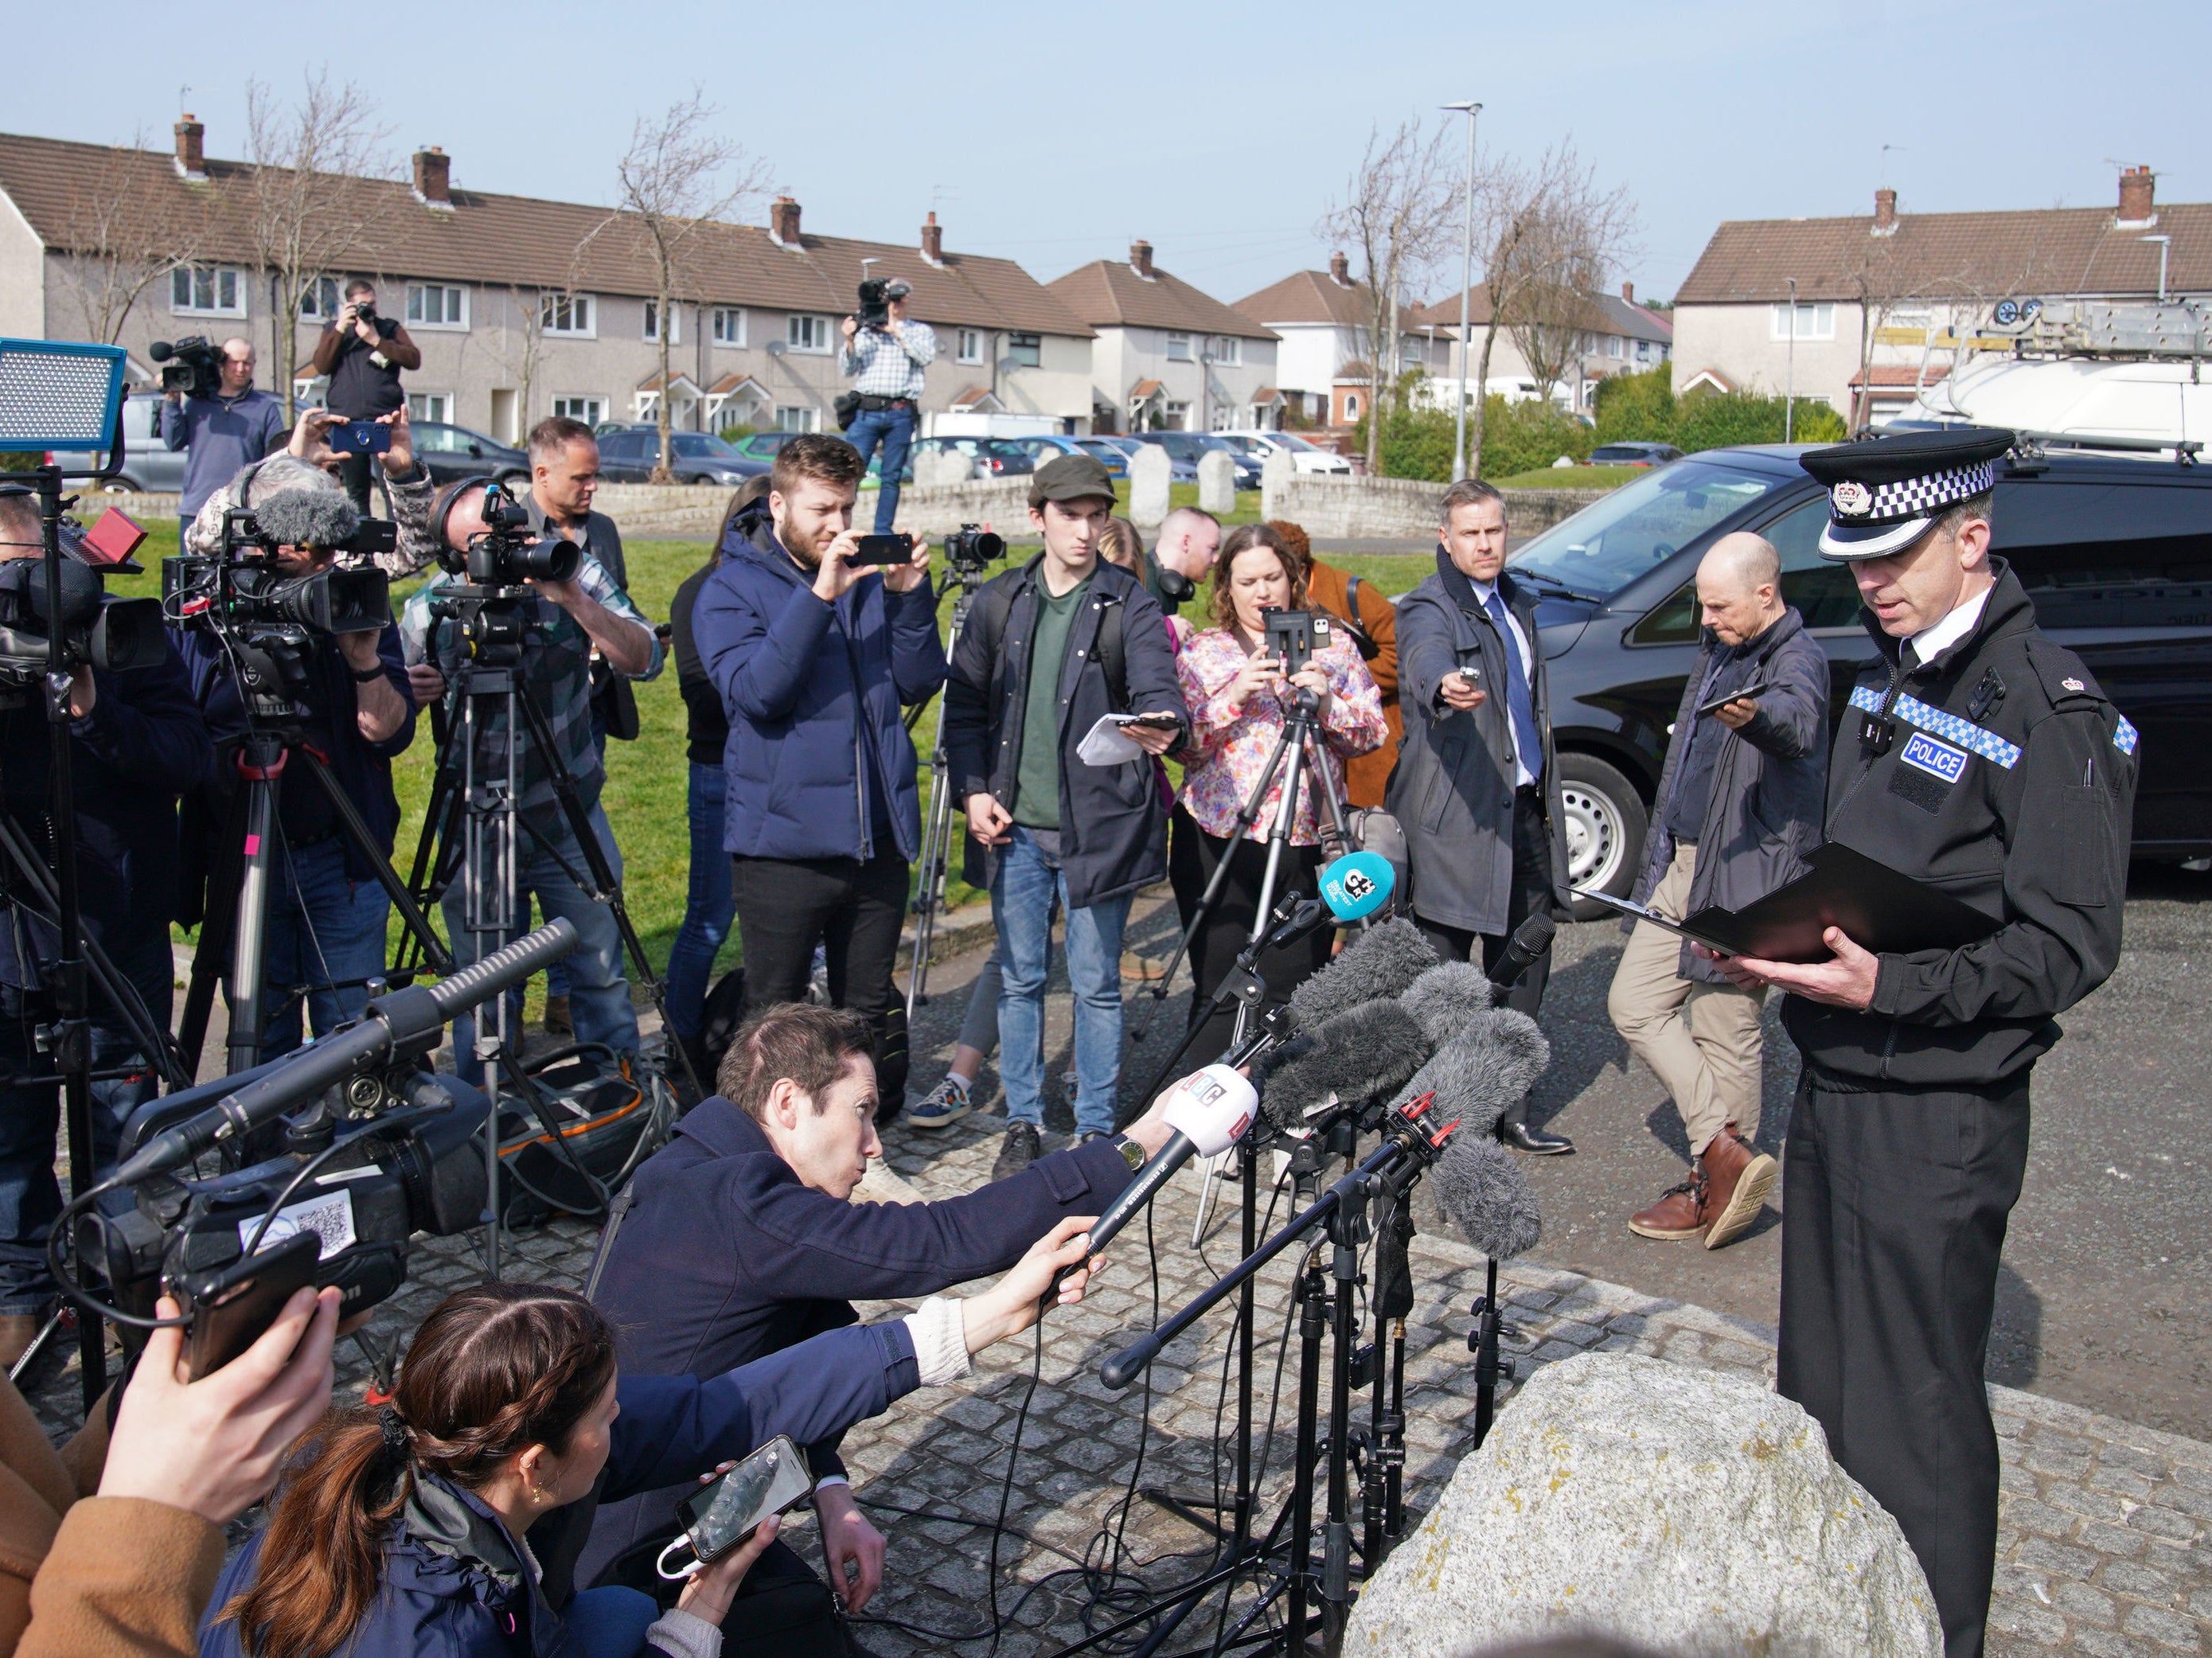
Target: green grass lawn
{"points": [[1571, 478]]}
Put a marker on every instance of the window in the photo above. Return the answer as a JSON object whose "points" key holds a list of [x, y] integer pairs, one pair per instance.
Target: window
{"points": [[653, 322], [1228, 349], [209, 290], [971, 345], [1643, 350], [436, 406], [319, 299], [568, 315], [1813, 322], [1178, 416], [590, 410], [1351, 406], [789, 419], [729, 327], [1026, 351], [1178, 347], [807, 334], [1613, 344], [432, 305]]}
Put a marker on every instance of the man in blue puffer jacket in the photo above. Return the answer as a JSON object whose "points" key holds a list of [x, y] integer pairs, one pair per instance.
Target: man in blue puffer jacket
{"points": [[813, 656]]}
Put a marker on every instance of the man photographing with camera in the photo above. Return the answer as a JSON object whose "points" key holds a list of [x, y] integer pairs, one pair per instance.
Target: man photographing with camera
{"points": [[237, 425], [884, 355], [363, 353]]}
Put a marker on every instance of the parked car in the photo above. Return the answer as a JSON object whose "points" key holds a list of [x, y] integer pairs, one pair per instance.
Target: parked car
{"points": [[990, 458], [1634, 455], [1104, 451], [1048, 447], [695, 458], [149, 465], [1179, 471], [1189, 445], [1304, 456], [2115, 550], [452, 453], [761, 446]]}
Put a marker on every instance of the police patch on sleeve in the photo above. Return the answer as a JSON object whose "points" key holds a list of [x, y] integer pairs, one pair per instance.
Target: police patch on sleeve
{"points": [[1937, 759]]}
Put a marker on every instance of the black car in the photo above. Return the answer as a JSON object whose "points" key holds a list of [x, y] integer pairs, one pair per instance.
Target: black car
{"points": [[1189, 445], [1634, 453], [455, 452], [628, 457], [2115, 550]]}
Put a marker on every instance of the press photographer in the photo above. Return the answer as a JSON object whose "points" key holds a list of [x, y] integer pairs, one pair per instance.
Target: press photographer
{"points": [[554, 623], [362, 353], [884, 355], [224, 427], [407, 485], [137, 741]]}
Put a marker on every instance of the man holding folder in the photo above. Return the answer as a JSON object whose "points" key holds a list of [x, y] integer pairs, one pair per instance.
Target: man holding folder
{"points": [[1981, 759]]}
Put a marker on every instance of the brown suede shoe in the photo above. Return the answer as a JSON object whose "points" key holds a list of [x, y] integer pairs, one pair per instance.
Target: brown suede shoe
{"points": [[1737, 1178], [1681, 1212]]}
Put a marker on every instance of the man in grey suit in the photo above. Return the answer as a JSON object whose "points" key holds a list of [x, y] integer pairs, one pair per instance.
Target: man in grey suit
{"points": [[1476, 787]]}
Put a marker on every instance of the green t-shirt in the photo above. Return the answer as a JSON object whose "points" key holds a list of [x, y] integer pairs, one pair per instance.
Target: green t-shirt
{"points": [[1037, 774]]}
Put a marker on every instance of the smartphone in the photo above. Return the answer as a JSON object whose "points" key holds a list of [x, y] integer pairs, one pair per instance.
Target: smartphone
{"points": [[360, 437], [720, 1517], [231, 1306], [882, 549], [1723, 701], [1158, 722]]}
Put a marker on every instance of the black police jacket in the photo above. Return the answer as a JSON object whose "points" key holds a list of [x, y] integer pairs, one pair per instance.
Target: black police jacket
{"points": [[2008, 782]]}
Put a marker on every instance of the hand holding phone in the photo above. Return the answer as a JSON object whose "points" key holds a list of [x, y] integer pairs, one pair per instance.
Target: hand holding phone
{"points": [[360, 437], [720, 1516], [881, 550], [1707, 709]]}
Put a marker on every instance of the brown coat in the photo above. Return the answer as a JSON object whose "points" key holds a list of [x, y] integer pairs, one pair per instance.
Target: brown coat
{"points": [[87, 1576], [1366, 775]]}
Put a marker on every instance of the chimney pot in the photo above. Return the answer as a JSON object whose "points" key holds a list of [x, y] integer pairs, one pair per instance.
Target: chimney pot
{"points": [[1339, 270], [2137, 197], [932, 241], [783, 221], [1885, 211], [191, 151], [1141, 259], [1628, 292], [434, 176]]}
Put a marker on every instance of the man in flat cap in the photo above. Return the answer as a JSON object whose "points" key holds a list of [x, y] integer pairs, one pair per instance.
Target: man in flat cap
{"points": [[1982, 758], [884, 359]]}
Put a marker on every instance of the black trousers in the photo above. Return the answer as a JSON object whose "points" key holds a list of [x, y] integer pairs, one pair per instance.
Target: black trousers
{"points": [[1531, 896], [1896, 1206], [786, 906], [357, 472], [1192, 855]]}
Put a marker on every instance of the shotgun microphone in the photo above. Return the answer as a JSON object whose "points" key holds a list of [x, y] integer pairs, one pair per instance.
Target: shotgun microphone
{"points": [[1530, 940]]}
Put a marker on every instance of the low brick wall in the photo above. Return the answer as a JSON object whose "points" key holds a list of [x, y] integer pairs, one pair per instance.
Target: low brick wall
{"points": [[1337, 506], [690, 509]]}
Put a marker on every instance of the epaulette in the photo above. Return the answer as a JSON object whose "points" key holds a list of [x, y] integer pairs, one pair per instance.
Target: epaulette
{"points": [[2064, 678]]}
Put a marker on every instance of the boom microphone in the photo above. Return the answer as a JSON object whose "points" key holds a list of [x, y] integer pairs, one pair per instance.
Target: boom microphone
{"points": [[1483, 1191], [1362, 1053], [1443, 1001], [1491, 1063], [1380, 962], [1209, 1110], [1530, 940]]}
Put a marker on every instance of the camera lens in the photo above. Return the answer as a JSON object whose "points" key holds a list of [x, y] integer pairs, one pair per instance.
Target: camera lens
{"points": [[988, 547], [550, 560]]}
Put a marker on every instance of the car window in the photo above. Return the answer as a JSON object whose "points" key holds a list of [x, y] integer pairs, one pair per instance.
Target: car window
{"points": [[1616, 451], [693, 446], [436, 439], [1823, 591], [1610, 542], [1290, 442], [2109, 554]]}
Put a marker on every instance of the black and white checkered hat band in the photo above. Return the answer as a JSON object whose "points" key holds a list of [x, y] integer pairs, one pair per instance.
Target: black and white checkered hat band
{"points": [[1856, 504]]}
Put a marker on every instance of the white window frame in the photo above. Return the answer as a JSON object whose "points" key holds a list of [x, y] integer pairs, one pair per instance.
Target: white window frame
{"points": [[809, 419], [1813, 319], [1351, 406], [653, 321], [218, 277], [1175, 414], [589, 409], [1019, 341], [1613, 344], [1179, 347], [415, 312], [583, 311], [1228, 349], [727, 327], [971, 345], [311, 306], [418, 407], [811, 333]]}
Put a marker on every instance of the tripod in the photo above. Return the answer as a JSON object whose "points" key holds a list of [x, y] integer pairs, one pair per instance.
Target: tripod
{"points": [[938, 835]]}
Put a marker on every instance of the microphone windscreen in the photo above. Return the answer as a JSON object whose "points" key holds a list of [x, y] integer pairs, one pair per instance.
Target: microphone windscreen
{"points": [[1361, 1053], [1443, 1000], [307, 517], [1380, 962], [1493, 1061], [1483, 1191], [1358, 884], [1212, 1108]]}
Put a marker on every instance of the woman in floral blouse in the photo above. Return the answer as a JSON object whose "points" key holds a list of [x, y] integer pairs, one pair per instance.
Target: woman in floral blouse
{"points": [[1238, 698]]}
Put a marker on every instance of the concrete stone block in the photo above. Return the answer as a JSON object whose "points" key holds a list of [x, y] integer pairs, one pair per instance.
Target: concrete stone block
{"points": [[1217, 482], [1149, 472]]}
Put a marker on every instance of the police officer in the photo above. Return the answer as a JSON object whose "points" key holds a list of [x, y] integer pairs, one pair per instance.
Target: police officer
{"points": [[1978, 757]]}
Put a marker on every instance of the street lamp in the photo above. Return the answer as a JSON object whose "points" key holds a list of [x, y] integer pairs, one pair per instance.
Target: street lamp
{"points": [[1466, 282], [2163, 243], [1790, 372]]}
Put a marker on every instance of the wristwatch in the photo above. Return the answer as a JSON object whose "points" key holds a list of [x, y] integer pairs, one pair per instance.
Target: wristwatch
{"points": [[1131, 1153], [362, 675]]}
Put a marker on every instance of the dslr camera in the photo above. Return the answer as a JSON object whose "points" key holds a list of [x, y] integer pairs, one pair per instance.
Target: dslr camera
{"points": [[972, 550], [508, 552], [1295, 636], [875, 308], [191, 366]]}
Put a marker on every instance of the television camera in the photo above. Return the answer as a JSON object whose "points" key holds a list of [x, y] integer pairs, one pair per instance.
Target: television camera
{"points": [[192, 365]]}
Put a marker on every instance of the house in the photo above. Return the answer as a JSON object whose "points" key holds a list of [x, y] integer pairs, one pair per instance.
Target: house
{"points": [[522, 307], [1607, 335], [1324, 319], [1884, 304], [1167, 356]]}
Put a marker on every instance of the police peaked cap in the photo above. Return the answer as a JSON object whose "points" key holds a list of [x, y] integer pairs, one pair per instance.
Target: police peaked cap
{"points": [[1883, 493]]}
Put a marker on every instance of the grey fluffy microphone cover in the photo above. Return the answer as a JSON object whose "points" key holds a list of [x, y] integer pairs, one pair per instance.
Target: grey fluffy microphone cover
{"points": [[306, 518], [1383, 962], [1483, 1191]]}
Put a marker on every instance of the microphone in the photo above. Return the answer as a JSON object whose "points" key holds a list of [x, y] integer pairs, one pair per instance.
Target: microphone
{"points": [[1352, 888], [1361, 1053], [1530, 939], [391, 1022], [1209, 1110], [1490, 1063], [1443, 1000], [1383, 962], [1483, 1191]]}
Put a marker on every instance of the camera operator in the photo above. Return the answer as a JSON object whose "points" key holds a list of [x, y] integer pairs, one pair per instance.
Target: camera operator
{"points": [[137, 742], [741, 1238], [884, 359], [225, 432], [565, 622], [363, 353], [325, 926], [407, 484]]}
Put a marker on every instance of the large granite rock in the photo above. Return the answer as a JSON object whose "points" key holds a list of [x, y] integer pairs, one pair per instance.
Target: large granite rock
{"points": [[1149, 473], [1217, 482], [1668, 1506]]}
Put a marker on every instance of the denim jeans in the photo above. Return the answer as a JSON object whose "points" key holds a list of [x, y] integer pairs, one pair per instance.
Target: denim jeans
{"points": [[599, 995], [894, 430], [556, 976], [1022, 897], [323, 928], [609, 1622], [709, 907]]}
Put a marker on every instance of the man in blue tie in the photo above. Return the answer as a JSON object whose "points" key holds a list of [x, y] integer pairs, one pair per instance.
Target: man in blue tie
{"points": [[1476, 787]]}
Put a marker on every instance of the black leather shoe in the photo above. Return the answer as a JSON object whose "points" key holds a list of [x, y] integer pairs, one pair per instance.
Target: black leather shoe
{"points": [[1021, 1147], [1534, 1141]]}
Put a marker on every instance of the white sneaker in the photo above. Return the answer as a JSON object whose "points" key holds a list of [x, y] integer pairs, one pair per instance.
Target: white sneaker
{"points": [[945, 1105]]}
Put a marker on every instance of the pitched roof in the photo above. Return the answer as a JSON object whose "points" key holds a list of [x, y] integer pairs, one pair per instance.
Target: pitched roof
{"points": [[1109, 294], [1900, 374], [1602, 314], [1308, 296], [2048, 250], [501, 240]]}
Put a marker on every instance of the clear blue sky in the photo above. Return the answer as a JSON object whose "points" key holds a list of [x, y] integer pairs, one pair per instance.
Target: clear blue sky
{"points": [[1053, 135]]}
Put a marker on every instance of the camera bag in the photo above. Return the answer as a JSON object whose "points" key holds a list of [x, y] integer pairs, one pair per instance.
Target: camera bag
{"points": [[607, 1122], [846, 406]]}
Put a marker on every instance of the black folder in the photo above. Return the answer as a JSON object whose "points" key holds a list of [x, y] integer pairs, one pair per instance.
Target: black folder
{"points": [[1878, 909]]}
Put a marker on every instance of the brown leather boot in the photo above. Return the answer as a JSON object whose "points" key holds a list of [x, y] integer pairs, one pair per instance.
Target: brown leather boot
{"points": [[1737, 1178], [1681, 1212]]}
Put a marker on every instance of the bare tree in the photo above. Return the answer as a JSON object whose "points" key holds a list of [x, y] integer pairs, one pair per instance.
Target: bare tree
{"points": [[678, 176], [127, 226], [315, 170], [1396, 214]]}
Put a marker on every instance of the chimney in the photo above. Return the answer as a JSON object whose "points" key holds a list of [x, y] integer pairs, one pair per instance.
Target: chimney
{"points": [[783, 221], [2136, 208], [1141, 259], [1628, 292], [1885, 212], [432, 177], [1339, 270], [192, 150], [932, 241]]}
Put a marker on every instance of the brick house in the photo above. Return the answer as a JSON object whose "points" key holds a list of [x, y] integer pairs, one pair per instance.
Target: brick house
{"points": [[1168, 356]]}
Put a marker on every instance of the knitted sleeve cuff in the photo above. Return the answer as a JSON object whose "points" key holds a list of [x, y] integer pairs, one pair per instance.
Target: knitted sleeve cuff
{"points": [[940, 1341]]}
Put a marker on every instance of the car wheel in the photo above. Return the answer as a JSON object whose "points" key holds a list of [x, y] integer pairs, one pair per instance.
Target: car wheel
{"points": [[1605, 824], [124, 485]]}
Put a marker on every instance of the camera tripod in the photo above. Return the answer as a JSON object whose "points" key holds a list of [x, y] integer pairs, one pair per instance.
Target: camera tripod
{"points": [[939, 832]]}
